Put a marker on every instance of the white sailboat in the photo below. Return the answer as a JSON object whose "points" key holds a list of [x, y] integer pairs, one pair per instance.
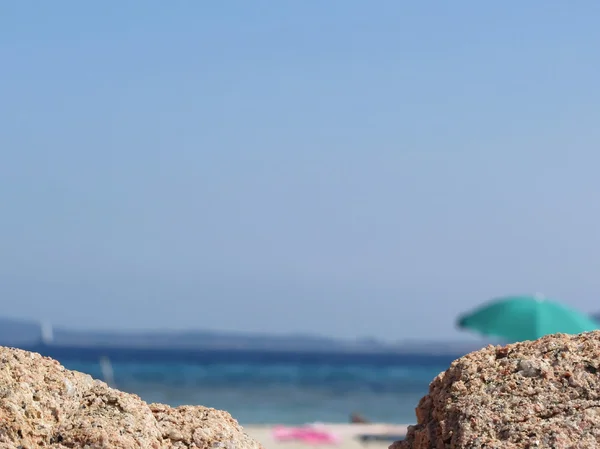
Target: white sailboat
{"points": [[47, 332], [107, 371]]}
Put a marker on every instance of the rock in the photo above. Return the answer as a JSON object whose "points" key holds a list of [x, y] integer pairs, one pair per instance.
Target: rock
{"points": [[44, 405], [534, 394]]}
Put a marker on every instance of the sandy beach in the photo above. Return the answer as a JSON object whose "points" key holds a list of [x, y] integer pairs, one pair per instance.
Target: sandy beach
{"points": [[349, 434]]}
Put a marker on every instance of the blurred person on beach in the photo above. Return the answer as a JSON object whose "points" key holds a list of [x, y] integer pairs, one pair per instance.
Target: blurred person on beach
{"points": [[357, 418]]}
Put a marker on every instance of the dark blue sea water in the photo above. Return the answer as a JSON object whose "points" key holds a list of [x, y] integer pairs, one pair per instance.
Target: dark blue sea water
{"points": [[269, 387]]}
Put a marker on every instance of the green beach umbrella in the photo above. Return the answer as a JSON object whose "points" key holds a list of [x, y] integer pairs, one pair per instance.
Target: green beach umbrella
{"points": [[519, 318]]}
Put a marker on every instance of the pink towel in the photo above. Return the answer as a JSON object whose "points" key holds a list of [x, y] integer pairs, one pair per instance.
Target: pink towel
{"points": [[305, 434]]}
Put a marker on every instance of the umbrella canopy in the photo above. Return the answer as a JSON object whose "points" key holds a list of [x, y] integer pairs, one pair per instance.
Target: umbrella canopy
{"points": [[519, 318]]}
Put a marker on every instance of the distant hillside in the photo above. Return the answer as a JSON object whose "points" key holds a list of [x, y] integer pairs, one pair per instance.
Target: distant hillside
{"points": [[17, 332], [21, 333]]}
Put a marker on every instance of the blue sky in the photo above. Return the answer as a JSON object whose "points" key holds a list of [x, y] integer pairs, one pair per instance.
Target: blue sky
{"points": [[348, 168]]}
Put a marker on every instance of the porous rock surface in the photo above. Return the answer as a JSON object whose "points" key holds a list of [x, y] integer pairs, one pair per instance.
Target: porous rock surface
{"points": [[44, 405], [535, 394]]}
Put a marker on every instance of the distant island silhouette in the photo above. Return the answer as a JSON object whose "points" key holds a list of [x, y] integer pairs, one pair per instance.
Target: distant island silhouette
{"points": [[31, 334]]}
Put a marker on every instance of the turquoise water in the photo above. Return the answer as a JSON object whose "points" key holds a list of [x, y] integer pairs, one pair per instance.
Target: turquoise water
{"points": [[260, 388]]}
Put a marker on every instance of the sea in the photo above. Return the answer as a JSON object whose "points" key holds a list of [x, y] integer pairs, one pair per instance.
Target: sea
{"points": [[267, 387]]}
